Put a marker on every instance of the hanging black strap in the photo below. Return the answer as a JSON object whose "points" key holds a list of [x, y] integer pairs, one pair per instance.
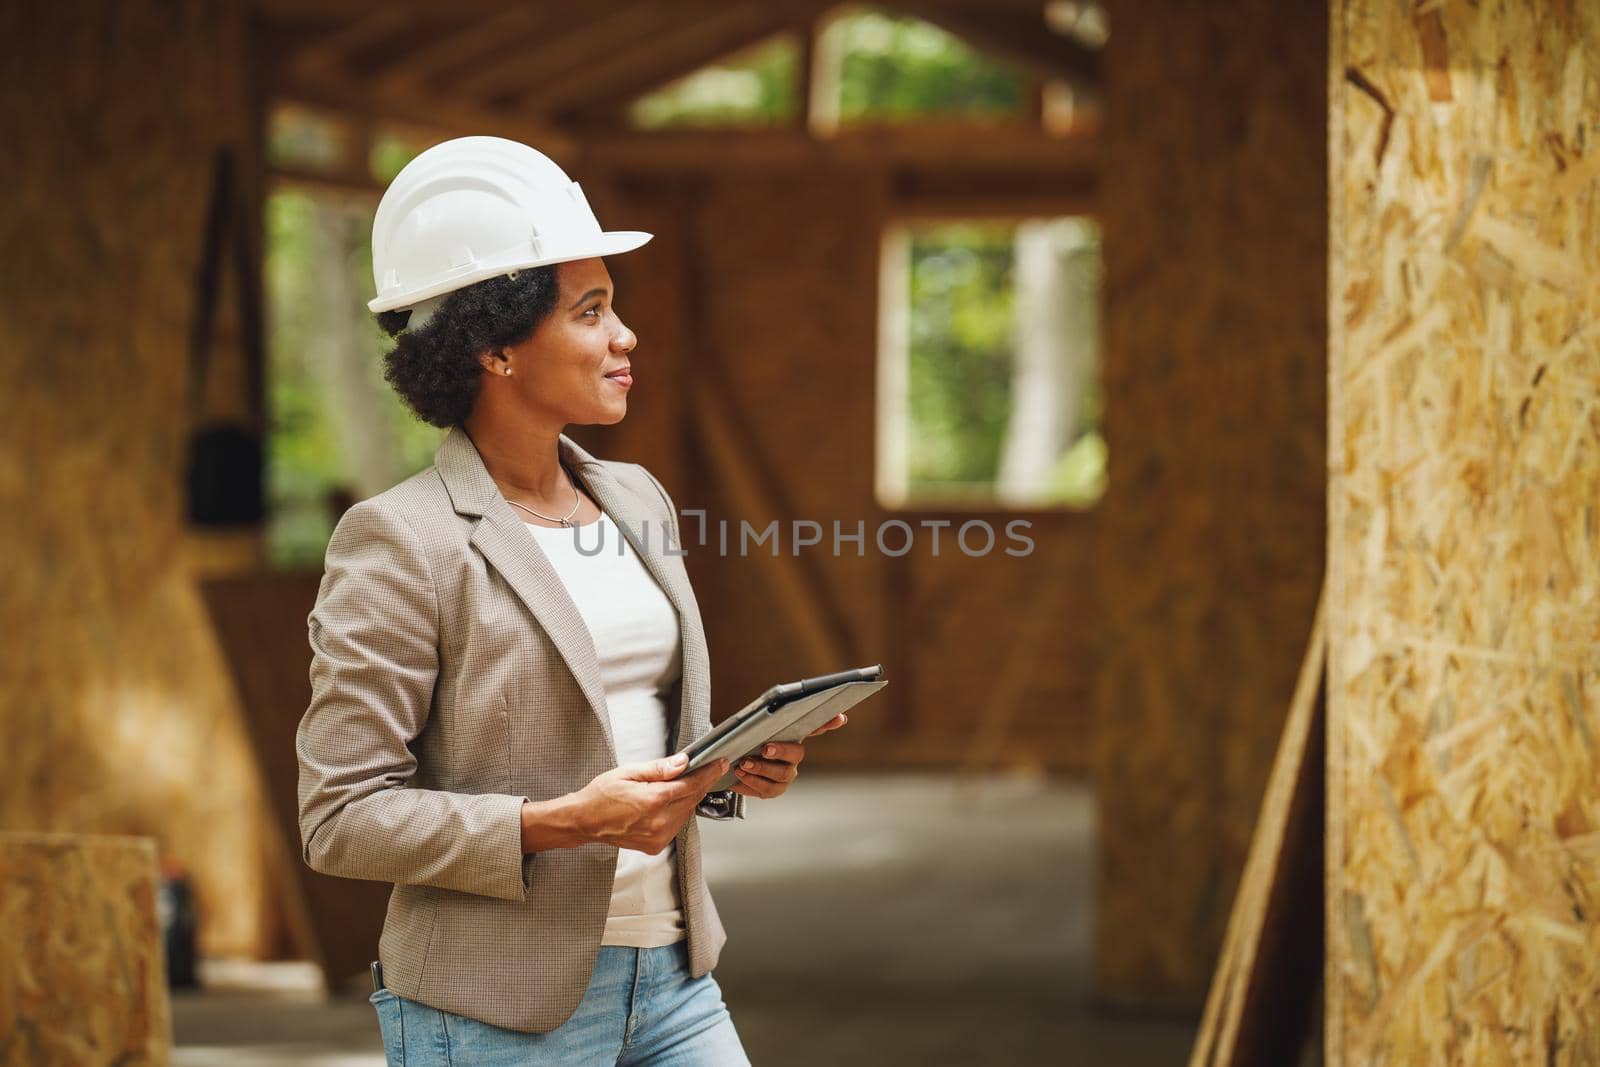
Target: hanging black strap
{"points": [[252, 328], [209, 276], [225, 470], [225, 222]]}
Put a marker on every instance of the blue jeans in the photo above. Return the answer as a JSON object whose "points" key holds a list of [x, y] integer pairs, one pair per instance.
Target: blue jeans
{"points": [[641, 1010]]}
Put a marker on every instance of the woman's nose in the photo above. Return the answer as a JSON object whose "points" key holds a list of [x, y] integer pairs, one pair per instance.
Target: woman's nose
{"points": [[624, 340]]}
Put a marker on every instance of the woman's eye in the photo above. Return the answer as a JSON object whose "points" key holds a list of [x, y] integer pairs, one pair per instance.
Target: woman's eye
{"points": [[595, 308]]}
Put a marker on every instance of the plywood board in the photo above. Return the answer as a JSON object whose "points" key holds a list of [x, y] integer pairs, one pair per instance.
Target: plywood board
{"points": [[83, 971], [1463, 910], [117, 715]]}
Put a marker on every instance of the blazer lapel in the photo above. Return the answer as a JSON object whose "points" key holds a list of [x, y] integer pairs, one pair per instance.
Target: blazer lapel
{"points": [[512, 551], [648, 536], [505, 542]]}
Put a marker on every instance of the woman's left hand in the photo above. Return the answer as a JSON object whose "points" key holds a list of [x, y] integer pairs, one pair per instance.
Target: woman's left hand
{"points": [[769, 773]]}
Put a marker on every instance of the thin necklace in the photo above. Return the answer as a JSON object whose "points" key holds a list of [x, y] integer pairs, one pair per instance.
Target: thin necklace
{"points": [[576, 502]]}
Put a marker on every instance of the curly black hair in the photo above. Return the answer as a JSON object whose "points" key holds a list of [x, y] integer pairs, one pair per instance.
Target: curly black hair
{"points": [[435, 368]]}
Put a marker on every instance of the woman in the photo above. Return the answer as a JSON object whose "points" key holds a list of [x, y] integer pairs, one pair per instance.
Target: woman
{"points": [[493, 700]]}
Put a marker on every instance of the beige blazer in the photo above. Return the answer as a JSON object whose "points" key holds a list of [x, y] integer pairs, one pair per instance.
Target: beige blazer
{"points": [[452, 677]]}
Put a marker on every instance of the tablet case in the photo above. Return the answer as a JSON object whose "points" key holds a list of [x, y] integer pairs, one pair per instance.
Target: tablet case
{"points": [[743, 733]]}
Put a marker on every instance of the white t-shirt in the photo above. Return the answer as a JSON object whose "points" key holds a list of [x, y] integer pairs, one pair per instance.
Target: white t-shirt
{"points": [[635, 631]]}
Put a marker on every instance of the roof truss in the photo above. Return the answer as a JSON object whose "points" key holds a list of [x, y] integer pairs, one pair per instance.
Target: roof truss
{"points": [[541, 70]]}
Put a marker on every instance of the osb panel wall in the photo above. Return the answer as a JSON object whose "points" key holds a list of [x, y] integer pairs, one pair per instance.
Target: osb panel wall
{"points": [[116, 713], [783, 318], [1464, 837], [82, 977], [1213, 523]]}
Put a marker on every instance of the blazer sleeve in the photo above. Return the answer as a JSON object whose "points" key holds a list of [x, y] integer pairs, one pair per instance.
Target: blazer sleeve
{"points": [[374, 635], [723, 803]]}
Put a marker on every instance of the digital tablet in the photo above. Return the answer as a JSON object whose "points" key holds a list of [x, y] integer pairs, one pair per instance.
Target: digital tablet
{"points": [[787, 712]]}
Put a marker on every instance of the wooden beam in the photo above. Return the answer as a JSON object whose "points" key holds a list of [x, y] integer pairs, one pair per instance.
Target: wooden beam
{"points": [[805, 73], [613, 103], [752, 489], [584, 35], [800, 596], [823, 71], [920, 193], [956, 147], [448, 120], [1032, 7], [1262, 991], [312, 69], [676, 46], [449, 51], [340, 184], [327, 52], [1023, 37], [341, 11]]}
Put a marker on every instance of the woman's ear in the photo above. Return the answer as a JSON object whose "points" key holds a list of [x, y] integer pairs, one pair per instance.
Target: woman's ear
{"points": [[496, 363]]}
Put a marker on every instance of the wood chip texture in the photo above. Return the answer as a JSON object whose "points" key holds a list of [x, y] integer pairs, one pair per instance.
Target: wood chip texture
{"points": [[82, 972], [1464, 451]]}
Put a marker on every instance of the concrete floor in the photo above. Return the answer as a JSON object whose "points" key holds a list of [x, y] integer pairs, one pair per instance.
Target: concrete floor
{"points": [[871, 920]]}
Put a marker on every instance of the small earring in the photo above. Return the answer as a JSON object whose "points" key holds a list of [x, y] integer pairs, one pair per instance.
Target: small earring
{"points": [[508, 372]]}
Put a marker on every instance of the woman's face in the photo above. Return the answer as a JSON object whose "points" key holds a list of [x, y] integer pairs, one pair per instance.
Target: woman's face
{"points": [[575, 368]]}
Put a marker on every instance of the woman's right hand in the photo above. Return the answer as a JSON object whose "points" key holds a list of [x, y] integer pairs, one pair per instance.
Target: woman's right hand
{"points": [[643, 805]]}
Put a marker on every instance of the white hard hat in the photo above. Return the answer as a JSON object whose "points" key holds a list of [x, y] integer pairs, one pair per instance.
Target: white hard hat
{"points": [[474, 208]]}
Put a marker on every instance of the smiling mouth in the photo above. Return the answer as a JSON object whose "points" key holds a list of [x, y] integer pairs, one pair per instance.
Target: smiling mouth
{"points": [[622, 376]]}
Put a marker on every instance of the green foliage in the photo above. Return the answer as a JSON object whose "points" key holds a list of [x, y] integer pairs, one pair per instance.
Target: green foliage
{"points": [[756, 85], [892, 67], [1079, 479], [302, 457], [960, 372], [299, 138], [959, 377], [306, 457], [391, 151], [897, 67]]}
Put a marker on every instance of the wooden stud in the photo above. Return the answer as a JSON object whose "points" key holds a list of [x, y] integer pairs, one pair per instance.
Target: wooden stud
{"points": [[1265, 983], [583, 36], [410, 74], [679, 44]]}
